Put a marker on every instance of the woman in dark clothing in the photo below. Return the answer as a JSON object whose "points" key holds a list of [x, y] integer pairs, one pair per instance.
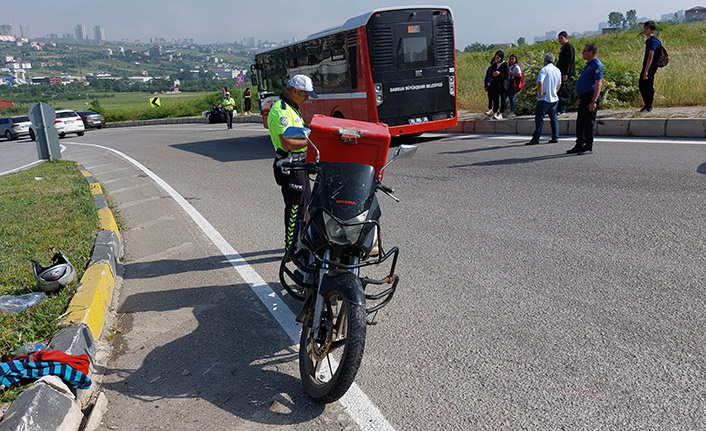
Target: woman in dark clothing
{"points": [[498, 85], [248, 101]]}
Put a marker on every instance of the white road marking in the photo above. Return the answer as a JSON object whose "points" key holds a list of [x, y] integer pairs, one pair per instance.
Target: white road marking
{"points": [[362, 410], [569, 139], [28, 165]]}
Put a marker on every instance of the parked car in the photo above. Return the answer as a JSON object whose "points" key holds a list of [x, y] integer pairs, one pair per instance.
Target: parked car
{"points": [[14, 127], [68, 121], [92, 119]]}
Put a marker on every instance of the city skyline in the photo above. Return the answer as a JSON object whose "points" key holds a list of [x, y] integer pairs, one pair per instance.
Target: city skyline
{"points": [[180, 19]]}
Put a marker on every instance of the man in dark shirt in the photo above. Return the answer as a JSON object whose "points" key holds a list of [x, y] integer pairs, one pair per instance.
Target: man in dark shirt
{"points": [[588, 90], [567, 67], [649, 65]]}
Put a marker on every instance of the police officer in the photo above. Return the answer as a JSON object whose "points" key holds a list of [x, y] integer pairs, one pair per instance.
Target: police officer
{"points": [[294, 183], [229, 105]]}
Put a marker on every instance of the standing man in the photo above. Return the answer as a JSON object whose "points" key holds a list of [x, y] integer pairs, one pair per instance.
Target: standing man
{"points": [[588, 90], [229, 106], [548, 83], [567, 66], [295, 186], [649, 65]]}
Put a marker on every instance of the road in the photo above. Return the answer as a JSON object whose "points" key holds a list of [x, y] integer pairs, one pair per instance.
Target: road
{"points": [[538, 290]]}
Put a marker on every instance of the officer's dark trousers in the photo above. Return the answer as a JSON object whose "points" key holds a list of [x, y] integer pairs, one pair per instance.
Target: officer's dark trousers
{"points": [[647, 88], [585, 121], [296, 192], [229, 118]]}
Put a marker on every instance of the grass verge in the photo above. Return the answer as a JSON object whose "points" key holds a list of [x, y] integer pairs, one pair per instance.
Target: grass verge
{"points": [[42, 210]]}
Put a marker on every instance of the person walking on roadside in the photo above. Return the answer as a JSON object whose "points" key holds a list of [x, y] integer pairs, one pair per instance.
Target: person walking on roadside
{"points": [[248, 101], [567, 65], [649, 65], [498, 84], [294, 184], [548, 83], [515, 73], [229, 106], [588, 90]]}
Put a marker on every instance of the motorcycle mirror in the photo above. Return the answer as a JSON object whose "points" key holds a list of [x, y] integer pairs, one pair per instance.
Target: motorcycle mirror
{"points": [[301, 133], [296, 133], [404, 150]]}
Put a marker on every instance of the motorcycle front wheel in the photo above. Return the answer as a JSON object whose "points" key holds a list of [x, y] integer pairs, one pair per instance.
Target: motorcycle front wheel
{"points": [[328, 364]]}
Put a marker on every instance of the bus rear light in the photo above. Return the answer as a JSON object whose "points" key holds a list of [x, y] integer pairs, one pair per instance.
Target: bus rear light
{"points": [[452, 86]]}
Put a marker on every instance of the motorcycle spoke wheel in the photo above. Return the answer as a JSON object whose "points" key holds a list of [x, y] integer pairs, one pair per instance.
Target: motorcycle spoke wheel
{"points": [[329, 364]]}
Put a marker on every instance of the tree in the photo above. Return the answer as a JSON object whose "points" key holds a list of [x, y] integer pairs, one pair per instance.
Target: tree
{"points": [[615, 19], [630, 18], [476, 47], [521, 41]]}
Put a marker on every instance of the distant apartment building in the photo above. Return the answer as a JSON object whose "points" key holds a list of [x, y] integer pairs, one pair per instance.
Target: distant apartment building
{"points": [[67, 36], [6, 30], [53, 36], [98, 34], [697, 13], [251, 42], [81, 32], [550, 35], [24, 31]]}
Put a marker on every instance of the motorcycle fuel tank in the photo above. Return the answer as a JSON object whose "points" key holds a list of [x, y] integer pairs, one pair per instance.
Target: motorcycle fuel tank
{"points": [[342, 140]]}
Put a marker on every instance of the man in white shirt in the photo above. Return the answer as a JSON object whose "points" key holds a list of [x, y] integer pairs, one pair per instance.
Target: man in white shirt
{"points": [[548, 83]]}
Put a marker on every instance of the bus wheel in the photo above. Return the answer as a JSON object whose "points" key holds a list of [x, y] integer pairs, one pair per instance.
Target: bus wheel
{"points": [[338, 114]]}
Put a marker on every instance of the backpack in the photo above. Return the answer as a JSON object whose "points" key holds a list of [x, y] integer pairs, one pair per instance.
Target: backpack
{"points": [[663, 57], [518, 83]]}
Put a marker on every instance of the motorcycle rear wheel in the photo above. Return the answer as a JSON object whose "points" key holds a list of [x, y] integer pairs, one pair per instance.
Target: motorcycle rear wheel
{"points": [[329, 364]]}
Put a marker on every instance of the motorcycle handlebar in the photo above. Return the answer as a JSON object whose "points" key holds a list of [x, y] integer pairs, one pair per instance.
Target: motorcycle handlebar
{"points": [[311, 166], [384, 188]]}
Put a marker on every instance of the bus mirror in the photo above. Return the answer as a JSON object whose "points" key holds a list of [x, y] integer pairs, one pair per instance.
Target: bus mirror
{"points": [[296, 133], [253, 75]]}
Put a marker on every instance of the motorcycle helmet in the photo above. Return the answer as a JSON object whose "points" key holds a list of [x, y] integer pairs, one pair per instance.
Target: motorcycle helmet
{"points": [[53, 278]]}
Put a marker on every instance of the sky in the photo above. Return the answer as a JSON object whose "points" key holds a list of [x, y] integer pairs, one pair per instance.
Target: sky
{"points": [[277, 20]]}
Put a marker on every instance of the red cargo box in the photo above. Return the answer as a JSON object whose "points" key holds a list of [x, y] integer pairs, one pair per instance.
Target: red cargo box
{"points": [[341, 140]]}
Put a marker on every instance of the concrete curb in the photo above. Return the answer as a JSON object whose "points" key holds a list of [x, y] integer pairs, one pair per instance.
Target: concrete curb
{"points": [[49, 404], [181, 120], [645, 127]]}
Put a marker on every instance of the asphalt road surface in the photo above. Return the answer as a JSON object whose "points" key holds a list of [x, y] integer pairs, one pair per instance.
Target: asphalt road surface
{"points": [[538, 290]]}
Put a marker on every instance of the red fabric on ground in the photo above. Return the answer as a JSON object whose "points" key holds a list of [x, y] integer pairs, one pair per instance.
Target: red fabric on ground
{"points": [[77, 362]]}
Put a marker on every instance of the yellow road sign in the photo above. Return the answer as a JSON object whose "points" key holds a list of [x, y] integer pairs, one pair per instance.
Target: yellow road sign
{"points": [[155, 102]]}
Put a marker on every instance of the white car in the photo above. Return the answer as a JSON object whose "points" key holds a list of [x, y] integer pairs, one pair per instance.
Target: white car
{"points": [[68, 121]]}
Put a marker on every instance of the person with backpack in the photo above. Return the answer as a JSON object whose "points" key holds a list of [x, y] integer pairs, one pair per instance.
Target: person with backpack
{"points": [[653, 49], [486, 85], [516, 82]]}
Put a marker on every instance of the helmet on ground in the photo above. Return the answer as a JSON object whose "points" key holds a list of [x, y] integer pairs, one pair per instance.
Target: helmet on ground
{"points": [[53, 278]]}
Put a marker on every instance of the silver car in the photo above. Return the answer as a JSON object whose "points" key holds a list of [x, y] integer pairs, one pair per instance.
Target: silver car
{"points": [[14, 127]]}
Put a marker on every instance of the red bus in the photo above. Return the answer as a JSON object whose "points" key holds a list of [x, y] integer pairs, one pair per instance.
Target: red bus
{"points": [[392, 65]]}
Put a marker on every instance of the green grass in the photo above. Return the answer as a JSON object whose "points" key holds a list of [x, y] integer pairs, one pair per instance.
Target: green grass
{"points": [[42, 210], [681, 83], [128, 101]]}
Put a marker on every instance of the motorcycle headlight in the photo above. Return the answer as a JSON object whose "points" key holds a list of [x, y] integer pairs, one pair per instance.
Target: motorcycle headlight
{"points": [[341, 234]]}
